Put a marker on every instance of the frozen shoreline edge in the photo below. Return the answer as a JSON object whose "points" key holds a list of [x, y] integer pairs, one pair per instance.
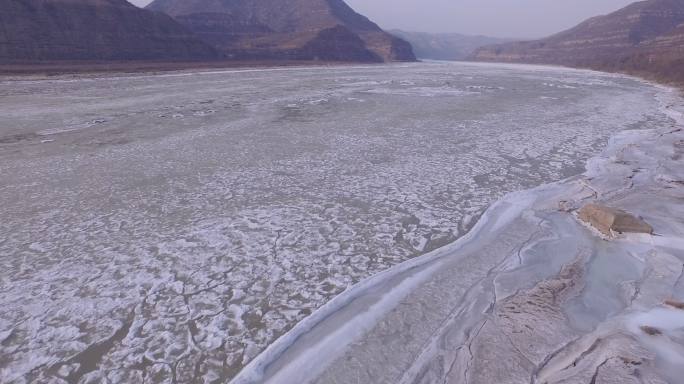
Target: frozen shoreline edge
{"points": [[499, 214]]}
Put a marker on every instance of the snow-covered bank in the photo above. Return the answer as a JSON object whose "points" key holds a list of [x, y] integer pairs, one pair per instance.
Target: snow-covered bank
{"points": [[529, 295]]}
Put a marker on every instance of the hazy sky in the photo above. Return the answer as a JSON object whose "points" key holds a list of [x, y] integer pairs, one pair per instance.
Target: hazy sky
{"points": [[506, 18]]}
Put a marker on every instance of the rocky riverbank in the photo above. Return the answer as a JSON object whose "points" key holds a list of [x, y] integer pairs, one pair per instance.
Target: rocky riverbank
{"points": [[533, 294]]}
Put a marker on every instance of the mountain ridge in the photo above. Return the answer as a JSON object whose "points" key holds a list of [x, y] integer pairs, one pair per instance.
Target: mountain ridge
{"points": [[286, 29], [644, 38], [82, 30]]}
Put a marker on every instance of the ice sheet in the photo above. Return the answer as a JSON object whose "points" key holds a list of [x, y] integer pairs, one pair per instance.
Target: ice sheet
{"points": [[209, 213]]}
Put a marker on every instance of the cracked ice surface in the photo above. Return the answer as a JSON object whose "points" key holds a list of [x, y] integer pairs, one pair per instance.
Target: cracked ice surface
{"points": [[167, 228]]}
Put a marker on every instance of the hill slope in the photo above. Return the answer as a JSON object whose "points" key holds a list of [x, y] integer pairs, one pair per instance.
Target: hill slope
{"points": [[445, 46], [49, 30], [644, 38], [286, 29]]}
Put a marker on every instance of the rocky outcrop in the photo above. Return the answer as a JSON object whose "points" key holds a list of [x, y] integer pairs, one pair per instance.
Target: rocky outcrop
{"points": [[73, 30], [445, 46], [644, 38], [610, 220], [287, 29]]}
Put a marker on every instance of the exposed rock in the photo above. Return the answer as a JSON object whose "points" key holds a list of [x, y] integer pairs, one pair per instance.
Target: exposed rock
{"points": [[287, 29], [567, 206], [42, 30], [645, 38], [605, 358], [610, 220], [675, 304], [525, 329], [651, 331]]}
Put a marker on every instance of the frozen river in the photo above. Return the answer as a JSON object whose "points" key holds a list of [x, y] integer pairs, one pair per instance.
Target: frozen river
{"points": [[167, 228]]}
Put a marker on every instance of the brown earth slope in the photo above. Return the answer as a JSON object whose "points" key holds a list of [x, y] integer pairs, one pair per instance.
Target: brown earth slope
{"points": [[645, 38], [287, 30], [74, 30]]}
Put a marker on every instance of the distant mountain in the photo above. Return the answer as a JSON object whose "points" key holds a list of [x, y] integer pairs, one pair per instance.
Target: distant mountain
{"points": [[645, 38], [445, 46], [287, 29], [73, 30]]}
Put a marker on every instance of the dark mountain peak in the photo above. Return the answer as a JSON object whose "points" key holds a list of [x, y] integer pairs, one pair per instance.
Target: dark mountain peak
{"points": [[283, 29], [352, 19], [280, 15], [50, 30]]}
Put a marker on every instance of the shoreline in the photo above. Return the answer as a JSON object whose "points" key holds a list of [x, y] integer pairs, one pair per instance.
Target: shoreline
{"points": [[645, 76], [355, 317], [84, 69], [23, 71]]}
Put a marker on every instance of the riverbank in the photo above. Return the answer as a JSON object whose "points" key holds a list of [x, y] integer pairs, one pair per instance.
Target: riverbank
{"points": [[82, 69], [531, 294]]}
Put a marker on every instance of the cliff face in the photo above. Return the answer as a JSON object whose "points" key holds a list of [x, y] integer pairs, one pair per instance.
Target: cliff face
{"points": [[40, 30], [646, 38], [286, 29]]}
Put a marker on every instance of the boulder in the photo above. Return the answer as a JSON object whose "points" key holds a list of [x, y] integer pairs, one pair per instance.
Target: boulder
{"points": [[611, 220], [675, 304]]}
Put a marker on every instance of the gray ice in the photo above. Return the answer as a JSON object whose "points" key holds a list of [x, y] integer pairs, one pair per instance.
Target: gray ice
{"points": [[169, 227]]}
